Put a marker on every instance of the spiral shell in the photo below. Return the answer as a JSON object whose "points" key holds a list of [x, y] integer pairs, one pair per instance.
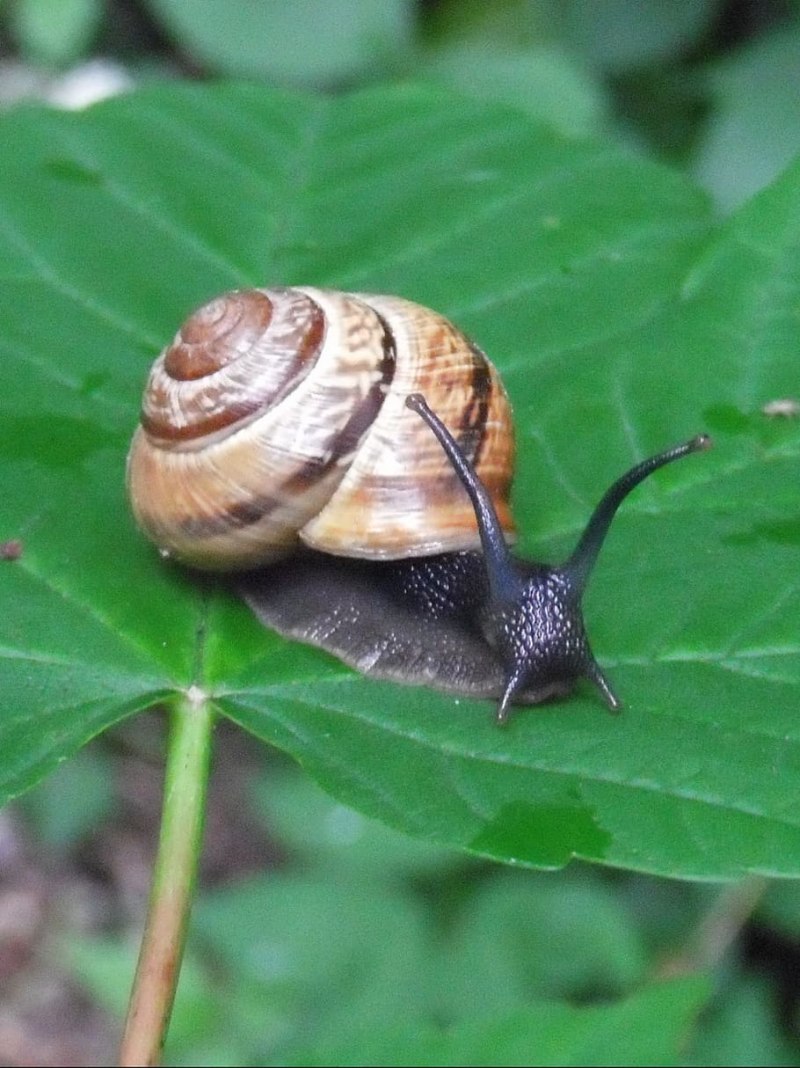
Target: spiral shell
{"points": [[279, 414]]}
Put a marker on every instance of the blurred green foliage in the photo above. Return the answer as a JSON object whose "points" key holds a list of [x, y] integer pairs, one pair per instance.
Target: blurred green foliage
{"points": [[53, 33], [710, 84], [370, 947], [72, 802]]}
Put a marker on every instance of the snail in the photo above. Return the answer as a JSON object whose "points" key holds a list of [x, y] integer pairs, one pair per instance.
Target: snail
{"points": [[349, 457]]}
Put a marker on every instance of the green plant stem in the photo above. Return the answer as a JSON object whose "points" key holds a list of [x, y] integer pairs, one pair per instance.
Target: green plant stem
{"points": [[170, 902]]}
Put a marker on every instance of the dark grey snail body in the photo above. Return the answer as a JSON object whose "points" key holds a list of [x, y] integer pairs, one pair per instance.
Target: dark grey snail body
{"points": [[281, 416], [423, 621]]}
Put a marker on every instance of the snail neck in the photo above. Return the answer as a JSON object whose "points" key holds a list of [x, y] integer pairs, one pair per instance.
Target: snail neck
{"points": [[541, 638]]}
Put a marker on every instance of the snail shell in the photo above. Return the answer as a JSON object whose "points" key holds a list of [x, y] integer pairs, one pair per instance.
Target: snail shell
{"points": [[279, 414]]}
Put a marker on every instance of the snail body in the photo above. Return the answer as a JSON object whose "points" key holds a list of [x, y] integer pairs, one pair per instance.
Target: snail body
{"points": [[352, 455]]}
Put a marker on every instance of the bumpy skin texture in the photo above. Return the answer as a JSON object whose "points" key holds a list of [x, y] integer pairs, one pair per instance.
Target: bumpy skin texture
{"points": [[540, 635], [427, 621]]}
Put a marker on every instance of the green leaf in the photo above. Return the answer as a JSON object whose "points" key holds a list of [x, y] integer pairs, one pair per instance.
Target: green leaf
{"points": [[780, 908], [753, 129], [624, 34], [312, 824], [520, 937], [649, 1028], [622, 316], [204, 1029], [545, 82], [307, 42], [55, 32], [742, 1027], [73, 800], [616, 36], [329, 957]]}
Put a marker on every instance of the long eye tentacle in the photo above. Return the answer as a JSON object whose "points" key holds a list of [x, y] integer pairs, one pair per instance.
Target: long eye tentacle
{"points": [[502, 578], [584, 556]]}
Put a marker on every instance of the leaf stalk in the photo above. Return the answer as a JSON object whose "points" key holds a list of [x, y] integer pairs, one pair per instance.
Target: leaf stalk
{"points": [[171, 895]]}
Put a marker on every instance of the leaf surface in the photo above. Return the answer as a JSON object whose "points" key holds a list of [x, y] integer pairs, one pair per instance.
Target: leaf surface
{"points": [[622, 316]]}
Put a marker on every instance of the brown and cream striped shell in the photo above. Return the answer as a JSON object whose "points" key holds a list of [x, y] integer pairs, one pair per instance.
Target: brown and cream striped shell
{"points": [[279, 414]]}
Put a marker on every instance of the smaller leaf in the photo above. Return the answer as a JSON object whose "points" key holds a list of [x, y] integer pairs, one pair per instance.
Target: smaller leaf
{"points": [[331, 834], [649, 1028], [780, 907], [55, 32], [753, 129], [335, 956], [622, 35], [524, 935], [70, 803], [549, 84], [307, 42], [741, 1028]]}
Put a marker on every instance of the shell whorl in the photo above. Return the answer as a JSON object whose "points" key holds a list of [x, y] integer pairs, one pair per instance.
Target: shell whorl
{"points": [[279, 414]]}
